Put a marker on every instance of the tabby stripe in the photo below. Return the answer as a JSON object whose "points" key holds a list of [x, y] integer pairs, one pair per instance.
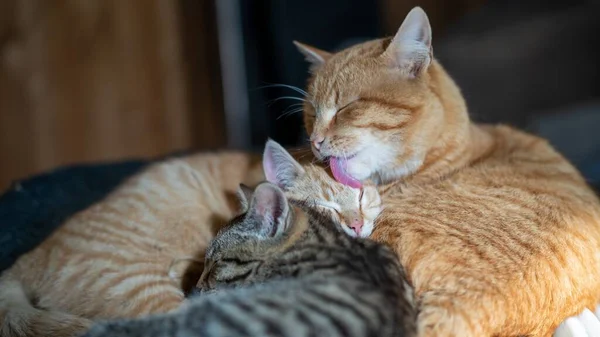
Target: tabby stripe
{"points": [[349, 306], [382, 126], [238, 322], [159, 304], [267, 321], [306, 321], [318, 233], [77, 236], [120, 278], [340, 326], [145, 286], [358, 270], [144, 233], [481, 229], [270, 303], [117, 236], [451, 231], [238, 261], [82, 276], [240, 303], [386, 103], [372, 307], [237, 277]]}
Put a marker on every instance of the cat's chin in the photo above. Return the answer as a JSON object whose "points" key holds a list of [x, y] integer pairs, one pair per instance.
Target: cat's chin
{"points": [[367, 162], [349, 231], [356, 168], [360, 168]]}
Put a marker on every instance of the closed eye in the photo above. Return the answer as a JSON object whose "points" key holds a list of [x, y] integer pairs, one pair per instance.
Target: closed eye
{"points": [[329, 205], [235, 278], [347, 105]]}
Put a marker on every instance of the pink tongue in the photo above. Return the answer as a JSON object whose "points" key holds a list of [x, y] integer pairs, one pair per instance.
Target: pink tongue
{"points": [[338, 168]]}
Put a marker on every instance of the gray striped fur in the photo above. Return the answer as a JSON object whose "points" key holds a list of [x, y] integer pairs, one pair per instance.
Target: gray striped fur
{"points": [[324, 284]]}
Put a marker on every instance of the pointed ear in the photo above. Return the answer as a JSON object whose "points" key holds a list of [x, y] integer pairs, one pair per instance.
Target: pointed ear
{"points": [[244, 194], [269, 210], [280, 167], [410, 49], [315, 56]]}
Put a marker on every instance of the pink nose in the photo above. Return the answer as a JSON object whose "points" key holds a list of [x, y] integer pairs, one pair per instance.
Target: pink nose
{"points": [[317, 141], [356, 225]]}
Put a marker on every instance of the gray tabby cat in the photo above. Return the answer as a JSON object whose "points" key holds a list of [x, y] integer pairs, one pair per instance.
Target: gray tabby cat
{"points": [[284, 269]]}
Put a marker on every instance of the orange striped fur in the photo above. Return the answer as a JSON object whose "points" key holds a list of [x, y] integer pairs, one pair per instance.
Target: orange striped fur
{"points": [[500, 235], [112, 260]]}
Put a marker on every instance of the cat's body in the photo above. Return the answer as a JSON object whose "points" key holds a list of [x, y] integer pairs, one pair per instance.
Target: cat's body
{"points": [[112, 260], [499, 234], [135, 252], [296, 273], [510, 238]]}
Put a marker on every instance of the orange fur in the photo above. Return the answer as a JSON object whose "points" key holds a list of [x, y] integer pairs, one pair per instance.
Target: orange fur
{"points": [[112, 260], [500, 235]]}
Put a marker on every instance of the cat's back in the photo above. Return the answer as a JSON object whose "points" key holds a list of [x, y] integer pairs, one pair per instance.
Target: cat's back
{"points": [[170, 210], [517, 178], [526, 167], [514, 223], [363, 275], [518, 199], [335, 306], [166, 201]]}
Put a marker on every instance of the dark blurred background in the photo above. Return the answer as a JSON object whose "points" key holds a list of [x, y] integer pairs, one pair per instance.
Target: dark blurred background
{"points": [[99, 80]]}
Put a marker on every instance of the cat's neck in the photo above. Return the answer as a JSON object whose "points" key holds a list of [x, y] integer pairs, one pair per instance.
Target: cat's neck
{"points": [[460, 142], [450, 155]]}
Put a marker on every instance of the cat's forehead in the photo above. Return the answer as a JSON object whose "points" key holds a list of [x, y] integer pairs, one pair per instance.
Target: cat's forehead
{"points": [[237, 231], [317, 184], [346, 73]]}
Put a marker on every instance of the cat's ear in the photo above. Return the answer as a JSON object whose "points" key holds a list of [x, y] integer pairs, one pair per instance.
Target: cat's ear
{"points": [[280, 167], [269, 210], [315, 56], [244, 194], [410, 49]]}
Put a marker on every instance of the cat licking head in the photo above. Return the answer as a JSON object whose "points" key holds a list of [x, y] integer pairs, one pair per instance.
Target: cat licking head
{"points": [[354, 208], [377, 110]]}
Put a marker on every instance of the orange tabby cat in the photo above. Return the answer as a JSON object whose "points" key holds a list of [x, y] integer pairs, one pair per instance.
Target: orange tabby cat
{"points": [[112, 259], [499, 233]]}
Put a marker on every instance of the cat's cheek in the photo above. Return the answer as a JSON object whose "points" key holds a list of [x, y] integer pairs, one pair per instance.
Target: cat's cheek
{"points": [[367, 229], [373, 213]]}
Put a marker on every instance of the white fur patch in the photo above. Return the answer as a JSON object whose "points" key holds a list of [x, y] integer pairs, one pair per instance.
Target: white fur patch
{"points": [[371, 158], [327, 115]]}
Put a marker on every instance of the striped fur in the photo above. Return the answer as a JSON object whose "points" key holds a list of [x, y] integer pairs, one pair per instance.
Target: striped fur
{"points": [[112, 259], [287, 270], [499, 234]]}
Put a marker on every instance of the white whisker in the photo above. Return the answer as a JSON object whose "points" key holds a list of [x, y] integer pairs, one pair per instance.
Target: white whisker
{"points": [[280, 85], [288, 113]]}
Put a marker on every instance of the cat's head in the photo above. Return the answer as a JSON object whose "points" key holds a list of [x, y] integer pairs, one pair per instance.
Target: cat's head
{"points": [[355, 209], [377, 109], [268, 226]]}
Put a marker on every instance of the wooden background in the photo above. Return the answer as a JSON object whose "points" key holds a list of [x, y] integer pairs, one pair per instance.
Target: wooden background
{"points": [[95, 80], [101, 80]]}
